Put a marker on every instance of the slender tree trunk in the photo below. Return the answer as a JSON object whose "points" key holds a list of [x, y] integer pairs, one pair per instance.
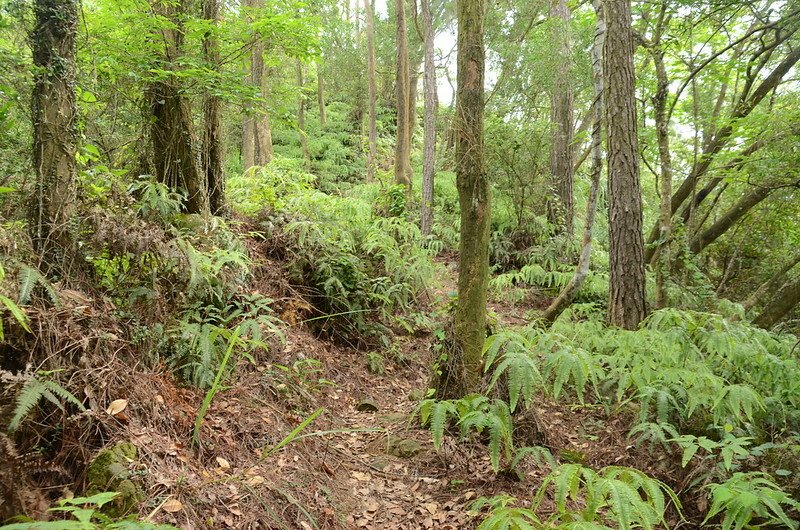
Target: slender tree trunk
{"points": [[466, 363], [770, 285], [561, 210], [301, 114], [729, 218], [321, 96], [172, 132], [369, 9], [212, 156], [256, 129], [567, 294], [402, 162], [429, 125], [627, 304], [781, 304], [53, 110], [665, 212], [248, 146]]}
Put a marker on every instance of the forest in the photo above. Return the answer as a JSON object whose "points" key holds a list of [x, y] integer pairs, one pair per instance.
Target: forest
{"points": [[400, 264]]}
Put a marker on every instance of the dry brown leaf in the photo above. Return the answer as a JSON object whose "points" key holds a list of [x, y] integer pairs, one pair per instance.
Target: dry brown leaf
{"points": [[256, 480], [224, 464], [117, 406], [172, 506]]}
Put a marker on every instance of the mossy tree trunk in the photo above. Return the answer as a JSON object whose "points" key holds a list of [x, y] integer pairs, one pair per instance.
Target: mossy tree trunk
{"points": [[175, 157], [402, 151], [466, 364], [53, 111]]}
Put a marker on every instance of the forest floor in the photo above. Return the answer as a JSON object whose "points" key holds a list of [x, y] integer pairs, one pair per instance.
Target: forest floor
{"points": [[360, 463]]}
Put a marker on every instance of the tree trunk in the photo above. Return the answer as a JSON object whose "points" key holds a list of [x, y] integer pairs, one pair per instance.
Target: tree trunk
{"points": [[770, 285], [53, 110], [782, 303], [466, 362], [257, 130], [369, 8], [301, 114], [565, 297], [402, 151], [212, 155], [729, 218], [321, 96], [665, 162], [172, 131], [429, 124], [561, 210], [627, 304]]}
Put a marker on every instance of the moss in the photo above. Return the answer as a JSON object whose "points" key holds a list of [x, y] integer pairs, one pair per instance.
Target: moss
{"points": [[109, 472]]}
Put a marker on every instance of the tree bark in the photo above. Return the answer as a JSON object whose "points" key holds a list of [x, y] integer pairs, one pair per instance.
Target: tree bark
{"points": [[567, 294], [402, 161], [256, 128], [369, 8], [54, 111], [627, 304], [466, 363], [781, 304], [429, 124], [770, 285], [729, 218], [172, 131], [301, 114], [561, 210], [323, 120], [665, 163], [212, 156]]}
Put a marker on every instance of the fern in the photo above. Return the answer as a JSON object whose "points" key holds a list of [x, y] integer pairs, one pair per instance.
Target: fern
{"points": [[33, 390], [518, 362], [29, 278], [746, 496]]}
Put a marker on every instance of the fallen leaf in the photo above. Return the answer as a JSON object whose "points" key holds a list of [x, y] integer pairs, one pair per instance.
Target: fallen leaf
{"points": [[224, 464], [117, 406], [172, 506]]}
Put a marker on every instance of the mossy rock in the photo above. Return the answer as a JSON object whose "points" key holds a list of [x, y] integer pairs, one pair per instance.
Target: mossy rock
{"points": [[403, 447], [109, 472]]}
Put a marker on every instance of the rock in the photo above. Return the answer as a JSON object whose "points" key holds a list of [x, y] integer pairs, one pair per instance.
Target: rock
{"points": [[109, 472], [403, 447], [367, 405]]}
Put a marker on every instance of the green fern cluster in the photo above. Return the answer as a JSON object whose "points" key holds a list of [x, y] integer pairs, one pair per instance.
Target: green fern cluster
{"points": [[614, 497], [478, 414], [32, 392], [364, 270]]}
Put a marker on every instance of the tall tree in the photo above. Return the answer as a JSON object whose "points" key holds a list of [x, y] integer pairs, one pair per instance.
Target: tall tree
{"points": [[466, 364], [402, 151], [369, 9], [321, 96], [301, 112], [561, 210], [54, 134], [212, 155], [429, 123], [256, 127], [566, 295], [627, 304], [171, 130]]}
